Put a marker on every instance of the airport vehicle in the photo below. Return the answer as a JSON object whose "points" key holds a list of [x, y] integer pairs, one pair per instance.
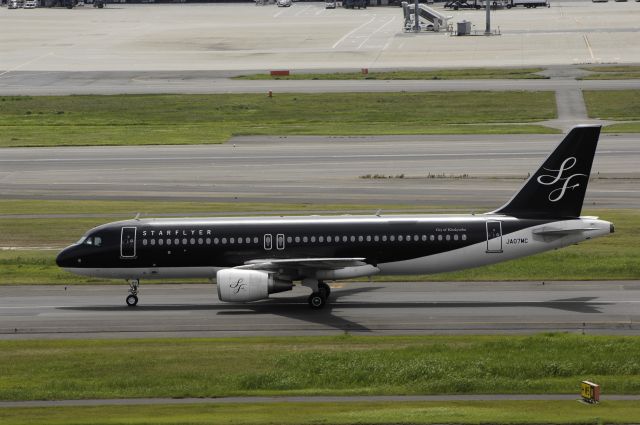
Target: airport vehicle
{"points": [[352, 4], [600, 1], [463, 4], [284, 3], [330, 4], [15, 4], [252, 258], [30, 4], [529, 4]]}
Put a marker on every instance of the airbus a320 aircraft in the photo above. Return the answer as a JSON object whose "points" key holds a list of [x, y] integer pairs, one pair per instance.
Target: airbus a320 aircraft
{"points": [[254, 257]]}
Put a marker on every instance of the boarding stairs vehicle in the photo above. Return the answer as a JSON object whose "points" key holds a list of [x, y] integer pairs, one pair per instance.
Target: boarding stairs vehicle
{"points": [[429, 19]]}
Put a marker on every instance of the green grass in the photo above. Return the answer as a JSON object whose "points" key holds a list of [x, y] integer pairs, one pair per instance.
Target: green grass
{"points": [[617, 105], [339, 365], [613, 257], [615, 72], [442, 74], [485, 412], [191, 119]]}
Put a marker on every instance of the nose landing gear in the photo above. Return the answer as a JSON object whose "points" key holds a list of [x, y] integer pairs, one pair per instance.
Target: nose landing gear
{"points": [[132, 298]]}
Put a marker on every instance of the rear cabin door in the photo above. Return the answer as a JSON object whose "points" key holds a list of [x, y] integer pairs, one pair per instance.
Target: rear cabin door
{"points": [[128, 242], [494, 236]]}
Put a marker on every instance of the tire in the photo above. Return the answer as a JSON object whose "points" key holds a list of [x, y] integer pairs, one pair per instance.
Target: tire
{"points": [[317, 301], [132, 300], [324, 289]]}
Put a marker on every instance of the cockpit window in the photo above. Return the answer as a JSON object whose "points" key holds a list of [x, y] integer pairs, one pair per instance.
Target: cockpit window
{"points": [[93, 240]]}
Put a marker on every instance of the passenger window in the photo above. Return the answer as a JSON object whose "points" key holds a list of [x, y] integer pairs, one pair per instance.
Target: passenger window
{"points": [[97, 241]]}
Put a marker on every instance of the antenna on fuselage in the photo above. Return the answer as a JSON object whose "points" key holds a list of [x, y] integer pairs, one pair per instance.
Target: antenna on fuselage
{"points": [[137, 217], [378, 213]]}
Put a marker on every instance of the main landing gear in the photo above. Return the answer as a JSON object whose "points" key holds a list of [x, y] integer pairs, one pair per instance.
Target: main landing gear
{"points": [[132, 298], [319, 295]]}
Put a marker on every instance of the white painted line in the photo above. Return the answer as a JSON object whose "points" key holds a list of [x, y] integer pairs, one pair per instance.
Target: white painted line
{"points": [[376, 31], [278, 13], [304, 9], [25, 64], [344, 37], [586, 41]]}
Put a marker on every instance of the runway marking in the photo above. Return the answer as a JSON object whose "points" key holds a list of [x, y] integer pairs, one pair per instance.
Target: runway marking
{"points": [[586, 41], [376, 31], [304, 9], [344, 37], [263, 157], [25, 63]]}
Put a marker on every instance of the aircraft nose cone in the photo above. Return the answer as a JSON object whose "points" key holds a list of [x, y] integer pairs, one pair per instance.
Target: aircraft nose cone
{"points": [[64, 258]]}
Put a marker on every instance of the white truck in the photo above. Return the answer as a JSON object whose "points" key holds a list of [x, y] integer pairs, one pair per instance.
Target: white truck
{"points": [[527, 3], [30, 4]]}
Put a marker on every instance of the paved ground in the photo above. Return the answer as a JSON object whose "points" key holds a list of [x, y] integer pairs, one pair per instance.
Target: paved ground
{"points": [[29, 312], [242, 36], [309, 399], [141, 82], [316, 169]]}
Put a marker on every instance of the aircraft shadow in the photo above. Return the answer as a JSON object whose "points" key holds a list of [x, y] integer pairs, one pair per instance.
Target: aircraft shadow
{"points": [[298, 309]]}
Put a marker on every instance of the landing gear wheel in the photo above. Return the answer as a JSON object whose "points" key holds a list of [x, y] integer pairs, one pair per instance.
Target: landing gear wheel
{"points": [[317, 300], [323, 287], [132, 300]]}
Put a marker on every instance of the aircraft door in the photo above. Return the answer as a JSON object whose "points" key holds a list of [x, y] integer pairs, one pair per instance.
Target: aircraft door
{"points": [[128, 242], [494, 236], [268, 242], [280, 241]]}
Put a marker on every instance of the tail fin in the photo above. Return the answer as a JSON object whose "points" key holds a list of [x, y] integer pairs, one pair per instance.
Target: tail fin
{"points": [[557, 189]]}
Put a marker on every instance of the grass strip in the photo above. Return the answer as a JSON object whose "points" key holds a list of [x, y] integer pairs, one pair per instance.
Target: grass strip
{"points": [[614, 72], [338, 365], [490, 412], [214, 118], [609, 258], [441, 74], [619, 105]]}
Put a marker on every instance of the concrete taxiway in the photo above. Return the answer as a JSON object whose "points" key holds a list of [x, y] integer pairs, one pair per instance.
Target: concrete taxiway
{"points": [[306, 35], [469, 170], [39, 83], [28, 312]]}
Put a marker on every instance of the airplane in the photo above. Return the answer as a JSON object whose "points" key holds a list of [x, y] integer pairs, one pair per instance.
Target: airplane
{"points": [[254, 257]]}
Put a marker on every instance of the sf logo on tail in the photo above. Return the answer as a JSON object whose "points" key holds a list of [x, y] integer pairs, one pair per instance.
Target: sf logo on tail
{"points": [[548, 180]]}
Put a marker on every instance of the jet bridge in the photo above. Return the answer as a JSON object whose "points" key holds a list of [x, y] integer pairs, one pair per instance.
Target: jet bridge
{"points": [[429, 19]]}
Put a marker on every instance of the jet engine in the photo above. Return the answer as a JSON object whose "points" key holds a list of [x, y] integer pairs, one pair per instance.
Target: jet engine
{"points": [[248, 285]]}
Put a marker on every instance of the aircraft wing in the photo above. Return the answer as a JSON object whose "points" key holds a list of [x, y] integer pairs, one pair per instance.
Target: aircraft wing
{"points": [[306, 263]]}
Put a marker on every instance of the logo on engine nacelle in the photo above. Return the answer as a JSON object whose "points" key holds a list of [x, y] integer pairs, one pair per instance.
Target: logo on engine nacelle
{"points": [[238, 286]]}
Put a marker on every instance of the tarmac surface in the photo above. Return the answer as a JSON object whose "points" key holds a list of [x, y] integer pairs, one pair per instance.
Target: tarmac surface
{"points": [[87, 312], [38, 83], [475, 170], [151, 37], [306, 399]]}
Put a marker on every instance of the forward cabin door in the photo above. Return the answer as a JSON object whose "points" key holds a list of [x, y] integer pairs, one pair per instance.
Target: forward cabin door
{"points": [[128, 242], [494, 236]]}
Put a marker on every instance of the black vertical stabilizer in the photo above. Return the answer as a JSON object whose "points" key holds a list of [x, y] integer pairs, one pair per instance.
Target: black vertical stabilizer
{"points": [[557, 188]]}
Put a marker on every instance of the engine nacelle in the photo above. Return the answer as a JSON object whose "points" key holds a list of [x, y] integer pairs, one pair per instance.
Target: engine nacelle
{"points": [[248, 285]]}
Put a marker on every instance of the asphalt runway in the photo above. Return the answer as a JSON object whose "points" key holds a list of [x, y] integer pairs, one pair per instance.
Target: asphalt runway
{"points": [[29, 312], [478, 171], [39, 83]]}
